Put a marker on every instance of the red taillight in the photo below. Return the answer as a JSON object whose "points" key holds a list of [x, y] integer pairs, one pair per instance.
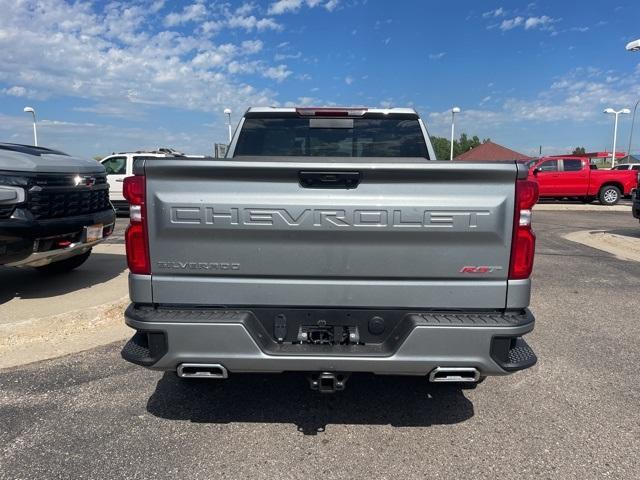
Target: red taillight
{"points": [[523, 243], [133, 189], [136, 242]]}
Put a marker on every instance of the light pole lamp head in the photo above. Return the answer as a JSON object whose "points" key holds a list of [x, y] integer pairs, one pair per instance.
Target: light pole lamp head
{"points": [[29, 110], [227, 111], [455, 110], [634, 46], [626, 111], [609, 110]]}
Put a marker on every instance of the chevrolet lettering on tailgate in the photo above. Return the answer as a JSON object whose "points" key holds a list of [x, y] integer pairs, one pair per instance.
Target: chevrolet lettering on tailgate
{"points": [[327, 217]]}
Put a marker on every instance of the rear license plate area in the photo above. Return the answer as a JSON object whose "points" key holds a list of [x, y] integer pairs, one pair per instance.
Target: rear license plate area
{"points": [[328, 335]]}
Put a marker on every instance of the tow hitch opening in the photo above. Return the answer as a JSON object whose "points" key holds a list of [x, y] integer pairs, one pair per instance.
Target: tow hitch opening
{"points": [[328, 382]]}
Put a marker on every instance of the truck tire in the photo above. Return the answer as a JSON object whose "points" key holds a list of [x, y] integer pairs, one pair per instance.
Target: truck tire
{"points": [[65, 265], [609, 195]]}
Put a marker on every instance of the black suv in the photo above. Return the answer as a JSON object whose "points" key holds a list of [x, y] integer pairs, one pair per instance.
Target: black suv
{"points": [[53, 208]]}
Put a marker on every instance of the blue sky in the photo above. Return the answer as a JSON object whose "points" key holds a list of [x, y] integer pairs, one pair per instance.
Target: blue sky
{"points": [[112, 76]]}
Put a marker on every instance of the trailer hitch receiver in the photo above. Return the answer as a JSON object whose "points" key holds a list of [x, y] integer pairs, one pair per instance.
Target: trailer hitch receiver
{"points": [[328, 382]]}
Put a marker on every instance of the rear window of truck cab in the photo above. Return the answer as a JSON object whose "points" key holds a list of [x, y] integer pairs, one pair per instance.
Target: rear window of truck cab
{"points": [[331, 137]]}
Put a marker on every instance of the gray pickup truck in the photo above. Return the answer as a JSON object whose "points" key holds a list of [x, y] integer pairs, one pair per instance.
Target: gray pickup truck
{"points": [[53, 208], [330, 241]]}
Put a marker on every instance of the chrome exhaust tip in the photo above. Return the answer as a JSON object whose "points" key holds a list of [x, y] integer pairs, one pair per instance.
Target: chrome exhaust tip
{"points": [[202, 370], [454, 374]]}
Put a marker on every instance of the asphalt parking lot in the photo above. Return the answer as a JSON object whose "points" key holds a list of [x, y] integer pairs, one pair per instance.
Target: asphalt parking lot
{"points": [[574, 415]]}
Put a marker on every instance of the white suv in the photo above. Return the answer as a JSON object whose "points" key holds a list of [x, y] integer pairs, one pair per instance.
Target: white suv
{"points": [[627, 166], [120, 165]]}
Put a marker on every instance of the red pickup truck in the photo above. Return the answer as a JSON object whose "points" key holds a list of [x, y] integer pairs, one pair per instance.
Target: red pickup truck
{"points": [[574, 177]]}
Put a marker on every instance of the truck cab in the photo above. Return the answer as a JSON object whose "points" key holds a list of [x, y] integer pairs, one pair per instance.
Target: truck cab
{"points": [[575, 177]]}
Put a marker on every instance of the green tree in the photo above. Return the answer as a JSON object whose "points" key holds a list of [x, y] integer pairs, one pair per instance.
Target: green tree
{"points": [[579, 151], [442, 146]]}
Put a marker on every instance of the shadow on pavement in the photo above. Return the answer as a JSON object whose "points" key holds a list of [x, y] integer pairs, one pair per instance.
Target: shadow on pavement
{"points": [[569, 201], [633, 232], [29, 283], [286, 398]]}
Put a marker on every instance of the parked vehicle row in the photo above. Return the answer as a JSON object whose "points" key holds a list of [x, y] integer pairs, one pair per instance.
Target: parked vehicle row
{"points": [[573, 176], [53, 208]]}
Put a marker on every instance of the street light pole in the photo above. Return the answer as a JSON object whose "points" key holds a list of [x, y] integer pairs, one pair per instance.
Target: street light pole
{"points": [[35, 131], [624, 111], [633, 47], [227, 112], [633, 121], [454, 110]]}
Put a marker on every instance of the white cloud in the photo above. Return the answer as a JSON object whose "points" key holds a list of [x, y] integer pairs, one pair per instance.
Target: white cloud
{"points": [[292, 6], [538, 22], [498, 12], [511, 23], [437, 56], [251, 22], [306, 102], [190, 13], [331, 5], [117, 59], [106, 57], [578, 97], [278, 57], [250, 47], [243, 68], [104, 138], [348, 80], [284, 6], [15, 91], [278, 73], [245, 9], [543, 22], [156, 6]]}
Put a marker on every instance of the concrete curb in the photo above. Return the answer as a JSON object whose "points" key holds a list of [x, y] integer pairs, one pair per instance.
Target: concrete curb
{"points": [[622, 246], [581, 207], [70, 332]]}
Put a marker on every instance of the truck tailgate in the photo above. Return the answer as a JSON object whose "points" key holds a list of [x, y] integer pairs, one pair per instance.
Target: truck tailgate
{"points": [[248, 233]]}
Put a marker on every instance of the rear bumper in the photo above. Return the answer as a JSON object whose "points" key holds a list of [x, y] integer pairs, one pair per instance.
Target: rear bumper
{"points": [[490, 342]]}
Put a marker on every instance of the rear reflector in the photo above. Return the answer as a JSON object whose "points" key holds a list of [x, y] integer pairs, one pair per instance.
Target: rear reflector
{"points": [[137, 255], [523, 242], [136, 238]]}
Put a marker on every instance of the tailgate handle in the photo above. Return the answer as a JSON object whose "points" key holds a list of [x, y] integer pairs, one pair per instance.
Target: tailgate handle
{"points": [[329, 179]]}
